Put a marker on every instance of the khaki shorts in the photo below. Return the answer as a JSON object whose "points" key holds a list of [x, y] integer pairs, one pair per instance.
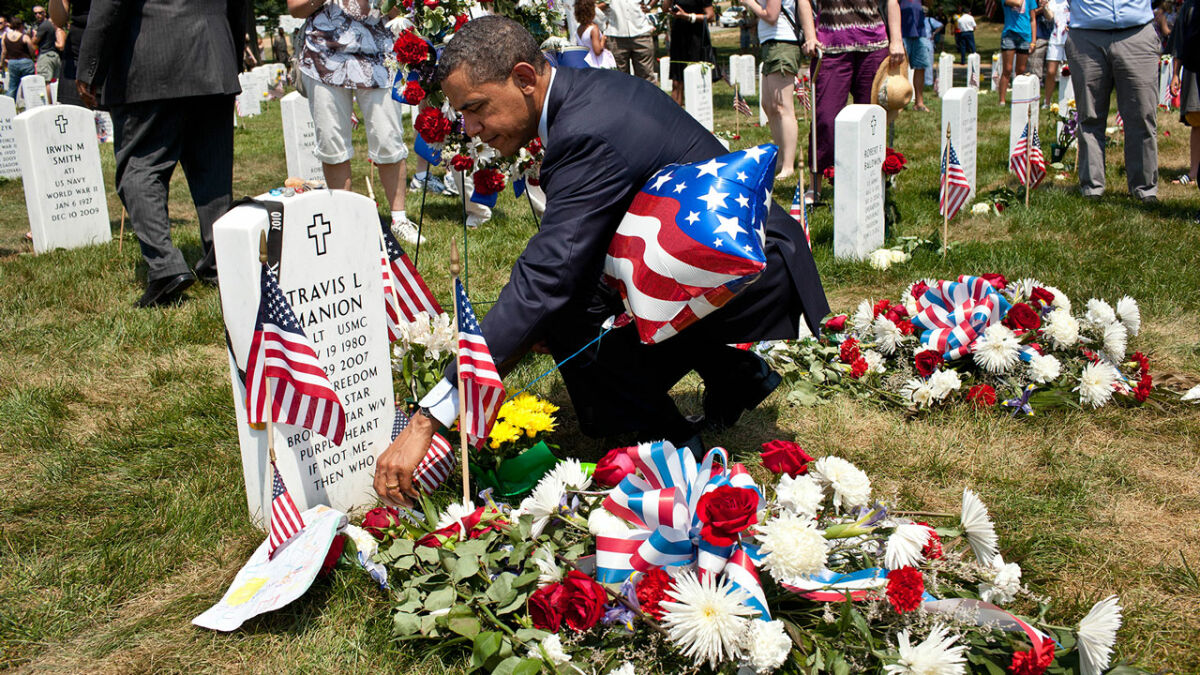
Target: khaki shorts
{"points": [[331, 108], [780, 57]]}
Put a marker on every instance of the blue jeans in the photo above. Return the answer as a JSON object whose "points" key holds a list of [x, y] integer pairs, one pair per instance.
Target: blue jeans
{"points": [[17, 68], [966, 44]]}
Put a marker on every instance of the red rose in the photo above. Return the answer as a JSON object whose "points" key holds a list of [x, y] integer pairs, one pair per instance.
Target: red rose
{"points": [[438, 538], [837, 324], [895, 313], [828, 173], [432, 125], [335, 552], [413, 93], [904, 589], [1022, 317], [584, 604], [918, 289], [488, 182], [893, 163], [881, 307], [859, 368], [725, 512], [460, 21], [381, 522], [535, 146], [982, 395], [785, 457], [849, 351], [462, 163], [546, 607], [933, 546], [928, 361], [613, 467], [483, 520], [1033, 662], [651, 590], [1041, 296], [432, 3], [997, 281], [999, 207], [410, 48], [905, 326]]}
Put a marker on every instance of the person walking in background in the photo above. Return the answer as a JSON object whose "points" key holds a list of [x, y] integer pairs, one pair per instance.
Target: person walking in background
{"points": [[690, 42], [587, 34], [1112, 44], [1015, 41], [279, 47], [920, 52], [935, 31], [630, 38], [16, 53], [1184, 83], [780, 56], [1164, 23], [72, 18], [50, 42], [964, 38], [1056, 46], [1043, 21]]}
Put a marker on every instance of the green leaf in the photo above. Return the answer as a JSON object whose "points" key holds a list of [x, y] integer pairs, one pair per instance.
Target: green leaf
{"points": [[405, 623], [518, 601], [427, 554], [838, 665], [501, 591], [440, 599], [464, 567], [531, 634], [526, 579], [486, 645], [405, 562], [507, 666], [429, 625], [400, 547], [463, 621], [528, 667]]}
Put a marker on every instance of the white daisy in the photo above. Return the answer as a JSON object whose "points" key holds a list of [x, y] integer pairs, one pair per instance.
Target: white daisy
{"points": [[887, 335], [918, 392], [454, 513], [548, 571], [864, 315], [792, 546], [1044, 368], [851, 487], [1061, 301], [1096, 384], [800, 495], [1099, 313], [936, 655], [998, 350], [1116, 339], [1130, 314], [707, 618], [550, 649], [1097, 634], [543, 503], [944, 382], [874, 362], [1006, 582], [572, 475], [601, 523], [977, 527], [765, 646], [904, 546], [1061, 328]]}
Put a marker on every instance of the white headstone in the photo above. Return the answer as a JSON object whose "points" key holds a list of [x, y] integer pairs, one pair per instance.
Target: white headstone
{"points": [[945, 74], [762, 113], [64, 185], [54, 92], [104, 126], [697, 93], [664, 73], [1066, 93], [859, 149], [8, 139], [973, 70], [329, 272], [742, 73], [32, 92], [996, 66], [1165, 70], [299, 138], [1024, 97], [960, 110], [249, 102], [289, 23]]}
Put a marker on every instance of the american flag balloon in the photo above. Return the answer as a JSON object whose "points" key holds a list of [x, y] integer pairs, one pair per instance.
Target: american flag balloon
{"points": [[692, 239]]}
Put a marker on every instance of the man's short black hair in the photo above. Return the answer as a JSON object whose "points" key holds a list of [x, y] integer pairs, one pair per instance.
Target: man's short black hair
{"points": [[489, 47]]}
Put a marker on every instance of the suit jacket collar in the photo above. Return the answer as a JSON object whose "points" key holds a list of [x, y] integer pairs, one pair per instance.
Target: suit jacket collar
{"points": [[564, 79]]}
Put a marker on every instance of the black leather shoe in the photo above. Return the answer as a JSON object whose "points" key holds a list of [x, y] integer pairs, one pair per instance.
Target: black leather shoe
{"points": [[725, 403], [165, 291]]}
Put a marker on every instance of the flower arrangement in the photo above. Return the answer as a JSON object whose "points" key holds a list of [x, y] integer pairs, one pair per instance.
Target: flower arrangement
{"points": [[517, 454], [1015, 346], [1068, 128], [425, 346], [893, 163], [810, 571]]}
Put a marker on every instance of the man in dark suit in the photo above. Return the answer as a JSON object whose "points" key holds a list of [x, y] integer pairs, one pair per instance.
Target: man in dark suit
{"points": [[167, 70], [606, 134]]}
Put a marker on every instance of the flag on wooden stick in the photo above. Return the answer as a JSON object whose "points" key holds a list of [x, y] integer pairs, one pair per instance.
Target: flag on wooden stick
{"points": [[954, 189], [405, 292], [483, 391], [1037, 163], [285, 517]]}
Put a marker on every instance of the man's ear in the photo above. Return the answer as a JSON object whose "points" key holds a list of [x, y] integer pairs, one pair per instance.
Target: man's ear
{"points": [[525, 77]]}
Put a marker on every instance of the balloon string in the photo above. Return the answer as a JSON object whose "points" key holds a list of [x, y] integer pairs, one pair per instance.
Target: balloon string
{"points": [[560, 364]]}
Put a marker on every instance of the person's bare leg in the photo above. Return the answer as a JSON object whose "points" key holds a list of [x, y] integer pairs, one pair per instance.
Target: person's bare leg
{"points": [[919, 89], [1019, 64], [337, 176], [779, 94], [391, 177], [1194, 147], [1006, 64], [1051, 81], [677, 91]]}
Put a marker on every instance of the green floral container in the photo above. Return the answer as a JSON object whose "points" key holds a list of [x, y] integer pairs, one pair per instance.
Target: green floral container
{"points": [[516, 476]]}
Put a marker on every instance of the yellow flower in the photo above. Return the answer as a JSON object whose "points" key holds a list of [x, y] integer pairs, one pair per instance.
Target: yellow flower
{"points": [[503, 432], [1054, 108], [538, 422]]}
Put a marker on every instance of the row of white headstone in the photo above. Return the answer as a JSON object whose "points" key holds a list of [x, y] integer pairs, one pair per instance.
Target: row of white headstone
{"points": [[256, 85]]}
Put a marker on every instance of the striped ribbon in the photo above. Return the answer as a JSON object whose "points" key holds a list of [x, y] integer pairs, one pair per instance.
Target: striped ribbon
{"points": [[954, 314], [661, 505]]}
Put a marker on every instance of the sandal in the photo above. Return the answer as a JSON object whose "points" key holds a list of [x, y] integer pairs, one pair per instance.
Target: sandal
{"points": [[1183, 180], [808, 198]]}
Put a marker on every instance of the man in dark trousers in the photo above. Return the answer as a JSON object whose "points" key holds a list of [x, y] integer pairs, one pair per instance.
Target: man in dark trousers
{"points": [[605, 134], [167, 70]]}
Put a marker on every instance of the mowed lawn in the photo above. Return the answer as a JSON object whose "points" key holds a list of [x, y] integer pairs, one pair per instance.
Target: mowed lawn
{"points": [[122, 512]]}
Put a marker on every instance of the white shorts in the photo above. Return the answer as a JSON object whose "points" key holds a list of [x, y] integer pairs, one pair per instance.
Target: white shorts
{"points": [[1056, 52], [331, 108]]}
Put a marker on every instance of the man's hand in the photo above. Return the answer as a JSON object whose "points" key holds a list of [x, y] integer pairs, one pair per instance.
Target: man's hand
{"points": [[395, 466], [86, 92]]}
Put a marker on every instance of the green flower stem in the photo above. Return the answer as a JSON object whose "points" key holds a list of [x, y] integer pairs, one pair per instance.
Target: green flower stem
{"points": [[499, 623], [572, 523]]}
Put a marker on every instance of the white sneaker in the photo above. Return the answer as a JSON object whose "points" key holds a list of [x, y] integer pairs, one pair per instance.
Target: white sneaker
{"points": [[404, 230], [450, 185], [473, 222]]}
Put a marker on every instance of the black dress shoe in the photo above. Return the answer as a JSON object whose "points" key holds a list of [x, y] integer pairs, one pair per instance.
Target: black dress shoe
{"points": [[165, 291], [725, 403]]}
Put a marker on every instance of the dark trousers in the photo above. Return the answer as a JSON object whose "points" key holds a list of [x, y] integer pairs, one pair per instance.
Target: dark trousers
{"points": [[841, 75], [966, 44], [151, 137]]}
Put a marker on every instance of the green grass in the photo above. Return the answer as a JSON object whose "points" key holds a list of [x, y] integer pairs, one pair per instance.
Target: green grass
{"points": [[122, 514]]}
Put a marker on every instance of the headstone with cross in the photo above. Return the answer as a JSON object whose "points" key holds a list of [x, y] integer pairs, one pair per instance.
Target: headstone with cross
{"points": [[249, 102], [59, 160], [859, 149], [8, 139], [329, 261], [960, 110], [299, 138]]}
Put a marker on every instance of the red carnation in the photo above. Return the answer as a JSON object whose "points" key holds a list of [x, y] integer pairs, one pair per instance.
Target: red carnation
{"points": [[725, 512], [828, 174], [613, 467], [837, 324], [881, 307], [896, 312], [462, 163], [651, 590], [849, 351], [1033, 662], [928, 361], [488, 182], [535, 146], [460, 21], [1022, 317], [432, 125], [785, 457], [859, 368], [546, 607], [997, 281], [432, 3], [933, 546], [904, 589], [410, 48], [1041, 296], [413, 93], [918, 289], [584, 604], [905, 326], [893, 163], [982, 395]]}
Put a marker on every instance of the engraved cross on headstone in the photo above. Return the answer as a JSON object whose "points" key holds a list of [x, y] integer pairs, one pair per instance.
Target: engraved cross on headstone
{"points": [[61, 123], [318, 235]]}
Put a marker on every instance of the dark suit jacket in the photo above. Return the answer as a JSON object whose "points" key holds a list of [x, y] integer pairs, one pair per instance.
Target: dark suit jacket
{"points": [[148, 50], [608, 134]]}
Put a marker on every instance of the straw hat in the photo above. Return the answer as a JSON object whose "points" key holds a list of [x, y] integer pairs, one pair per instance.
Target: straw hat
{"points": [[891, 88]]}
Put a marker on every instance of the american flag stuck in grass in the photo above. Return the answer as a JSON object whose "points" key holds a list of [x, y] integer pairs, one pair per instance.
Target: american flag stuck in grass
{"points": [[954, 189]]}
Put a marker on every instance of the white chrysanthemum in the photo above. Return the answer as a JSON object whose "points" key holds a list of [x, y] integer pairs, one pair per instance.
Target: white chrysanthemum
{"points": [[1061, 301], [918, 392], [904, 546], [910, 303], [543, 503], [981, 208], [707, 617], [792, 546], [601, 523], [550, 649], [1098, 634], [851, 487], [881, 258], [874, 362], [1099, 313], [625, 669], [454, 513], [1096, 384], [1116, 339], [936, 655], [572, 475], [548, 570], [1021, 289], [887, 335], [1192, 394], [1044, 368], [1129, 314], [800, 495], [978, 528], [1005, 584], [944, 382], [1061, 328], [864, 315], [998, 350], [765, 646]]}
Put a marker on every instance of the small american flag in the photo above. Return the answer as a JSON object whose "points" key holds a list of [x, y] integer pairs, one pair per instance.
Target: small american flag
{"points": [[280, 350], [435, 468], [955, 189], [797, 212], [1037, 163], [739, 102], [405, 292], [285, 517], [483, 390], [802, 92]]}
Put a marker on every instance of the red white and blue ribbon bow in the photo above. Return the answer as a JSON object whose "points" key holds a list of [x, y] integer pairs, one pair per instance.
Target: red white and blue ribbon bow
{"points": [[661, 504], [954, 314]]}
